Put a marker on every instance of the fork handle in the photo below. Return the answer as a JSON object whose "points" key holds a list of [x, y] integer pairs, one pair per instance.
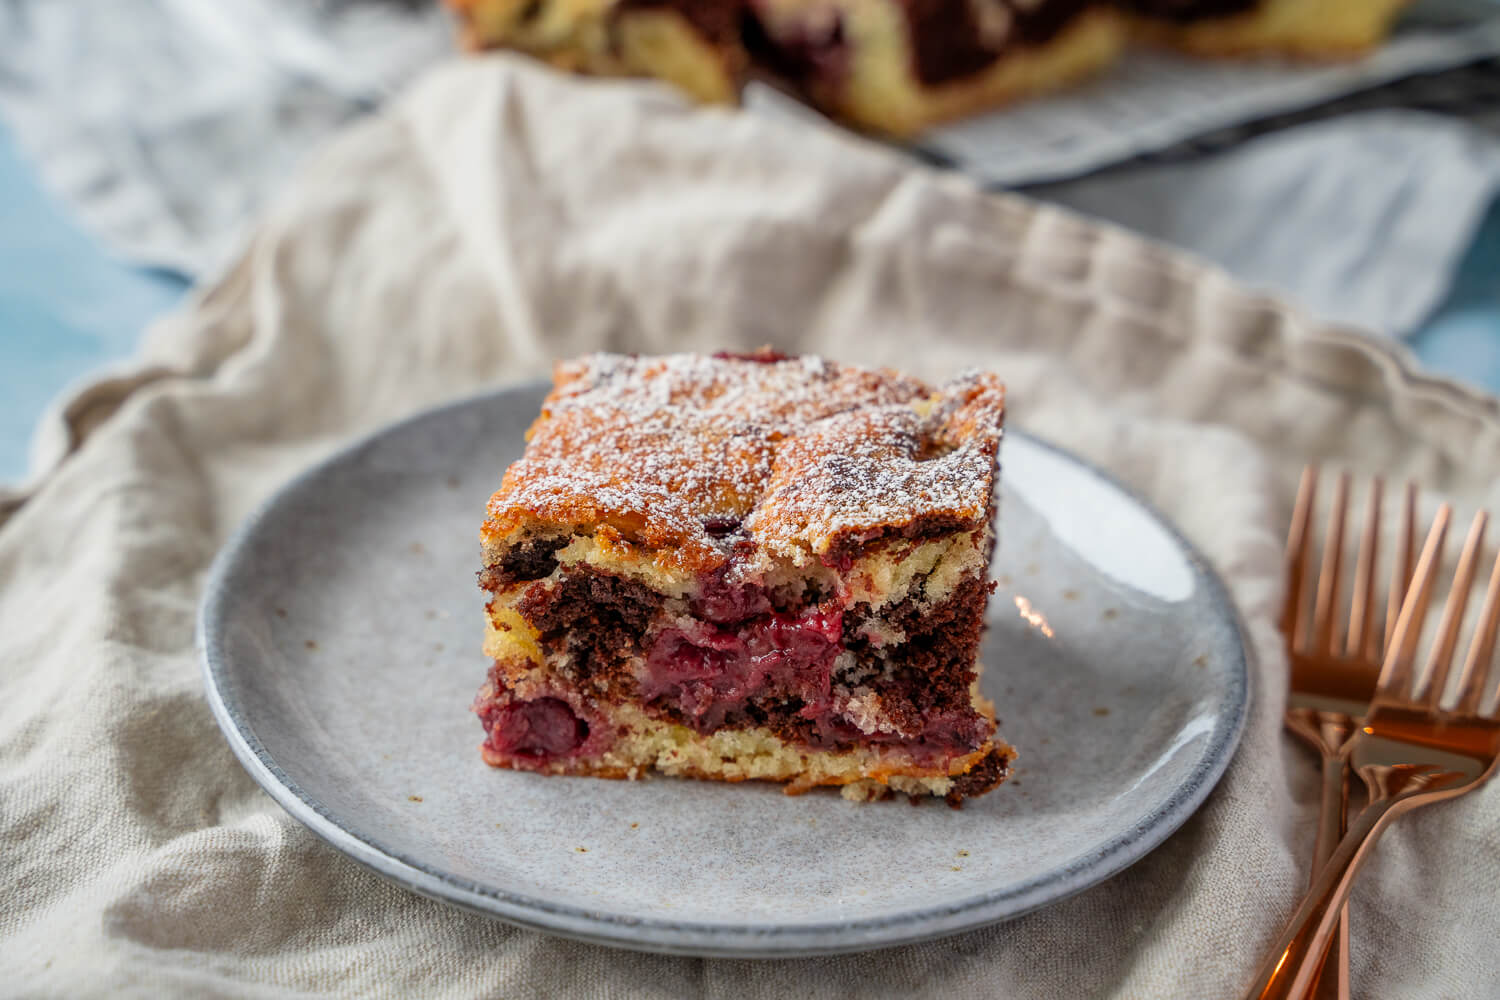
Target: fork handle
{"points": [[1332, 979], [1298, 955]]}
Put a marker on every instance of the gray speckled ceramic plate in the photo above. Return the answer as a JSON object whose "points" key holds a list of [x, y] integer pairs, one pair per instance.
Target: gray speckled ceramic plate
{"points": [[340, 637]]}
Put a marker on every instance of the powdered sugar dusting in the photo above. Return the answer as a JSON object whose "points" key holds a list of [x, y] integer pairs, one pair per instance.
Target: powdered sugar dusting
{"points": [[791, 454]]}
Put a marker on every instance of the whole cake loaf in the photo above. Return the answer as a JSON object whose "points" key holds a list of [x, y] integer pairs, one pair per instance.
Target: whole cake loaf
{"points": [[747, 567], [898, 66]]}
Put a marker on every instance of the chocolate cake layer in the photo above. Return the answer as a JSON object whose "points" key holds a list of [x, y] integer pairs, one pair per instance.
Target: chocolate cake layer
{"points": [[982, 777], [529, 559], [590, 624], [932, 667]]}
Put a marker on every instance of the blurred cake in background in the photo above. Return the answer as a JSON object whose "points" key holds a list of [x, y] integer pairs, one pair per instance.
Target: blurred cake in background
{"points": [[899, 66]]}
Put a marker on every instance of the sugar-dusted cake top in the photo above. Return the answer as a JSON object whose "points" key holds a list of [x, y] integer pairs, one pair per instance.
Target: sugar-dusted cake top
{"points": [[797, 456]]}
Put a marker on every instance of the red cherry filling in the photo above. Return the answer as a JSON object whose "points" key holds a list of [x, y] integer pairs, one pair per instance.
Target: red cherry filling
{"points": [[542, 728], [725, 603], [711, 673]]}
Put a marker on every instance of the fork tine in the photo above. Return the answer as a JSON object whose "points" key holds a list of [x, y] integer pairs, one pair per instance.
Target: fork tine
{"points": [[1361, 632], [1297, 544], [1325, 611], [1440, 660], [1471, 682], [1401, 566], [1396, 673]]}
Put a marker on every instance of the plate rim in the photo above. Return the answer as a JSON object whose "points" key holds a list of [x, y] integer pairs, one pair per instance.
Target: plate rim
{"points": [[703, 938]]}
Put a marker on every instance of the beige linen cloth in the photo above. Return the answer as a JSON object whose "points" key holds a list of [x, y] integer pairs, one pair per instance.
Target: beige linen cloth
{"points": [[499, 216]]}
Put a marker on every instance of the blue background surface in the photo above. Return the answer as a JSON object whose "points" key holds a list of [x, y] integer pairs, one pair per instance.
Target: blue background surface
{"points": [[67, 307]]}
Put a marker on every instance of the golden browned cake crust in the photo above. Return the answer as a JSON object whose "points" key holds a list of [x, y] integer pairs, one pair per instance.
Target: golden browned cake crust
{"points": [[806, 457]]}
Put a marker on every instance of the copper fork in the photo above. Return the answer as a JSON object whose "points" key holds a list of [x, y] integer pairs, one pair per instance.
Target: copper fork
{"points": [[1333, 671], [1411, 751]]}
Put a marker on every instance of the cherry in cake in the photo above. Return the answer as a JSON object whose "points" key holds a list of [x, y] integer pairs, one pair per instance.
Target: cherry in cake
{"points": [[747, 567]]}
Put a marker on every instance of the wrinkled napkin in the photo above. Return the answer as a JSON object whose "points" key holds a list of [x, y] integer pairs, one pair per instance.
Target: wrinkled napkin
{"points": [[497, 217]]}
